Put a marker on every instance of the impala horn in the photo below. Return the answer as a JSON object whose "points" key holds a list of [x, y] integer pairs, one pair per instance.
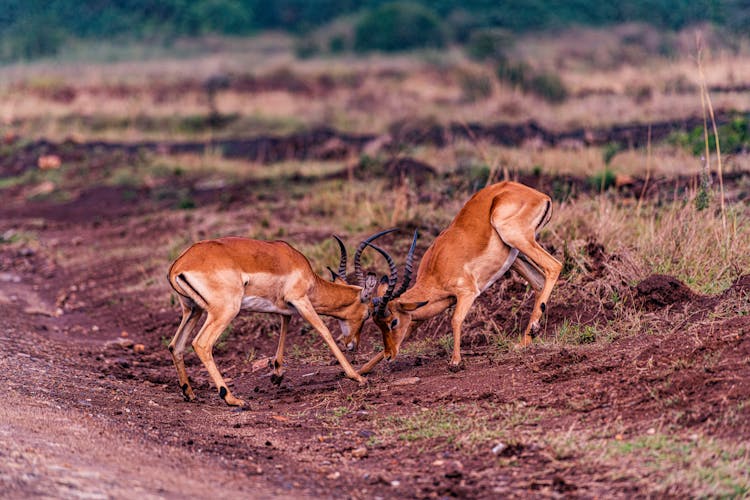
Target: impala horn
{"points": [[393, 277], [358, 254], [341, 273]]}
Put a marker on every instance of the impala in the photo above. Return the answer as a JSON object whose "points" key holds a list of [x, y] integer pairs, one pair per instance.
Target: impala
{"points": [[495, 231], [223, 276]]}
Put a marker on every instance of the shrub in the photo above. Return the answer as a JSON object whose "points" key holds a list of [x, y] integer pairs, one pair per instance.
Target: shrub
{"points": [[37, 37], [218, 16], [602, 180], [733, 136], [548, 86], [475, 87], [488, 44], [399, 26]]}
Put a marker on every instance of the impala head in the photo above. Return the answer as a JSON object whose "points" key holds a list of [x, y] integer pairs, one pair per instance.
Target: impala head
{"points": [[391, 314], [351, 328]]}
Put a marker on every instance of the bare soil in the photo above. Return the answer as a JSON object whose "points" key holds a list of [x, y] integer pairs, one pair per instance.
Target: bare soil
{"points": [[87, 413]]}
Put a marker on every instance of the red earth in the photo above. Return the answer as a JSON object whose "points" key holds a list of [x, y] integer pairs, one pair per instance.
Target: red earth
{"points": [[91, 404]]}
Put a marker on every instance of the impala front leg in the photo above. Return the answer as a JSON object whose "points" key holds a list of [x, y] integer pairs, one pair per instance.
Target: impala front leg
{"points": [[306, 310], [463, 304]]}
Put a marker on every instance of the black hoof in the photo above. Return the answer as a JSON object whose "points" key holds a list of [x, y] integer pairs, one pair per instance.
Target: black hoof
{"points": [[276, 379], [457, 368]]}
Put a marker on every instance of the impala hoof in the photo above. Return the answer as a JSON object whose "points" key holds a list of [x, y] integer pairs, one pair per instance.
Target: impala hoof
{"points": [[276, 379], [187, 393], [457, 367], [232, 401]]}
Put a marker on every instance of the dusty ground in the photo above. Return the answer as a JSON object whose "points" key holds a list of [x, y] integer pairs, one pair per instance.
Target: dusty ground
{"points": [[663, 410]]}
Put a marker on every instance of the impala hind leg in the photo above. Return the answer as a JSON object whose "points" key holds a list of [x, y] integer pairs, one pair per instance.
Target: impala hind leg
{"points": [[549, 268], [518, 230], [306, 310], [190, 316], [203, 344], [278, 360]]}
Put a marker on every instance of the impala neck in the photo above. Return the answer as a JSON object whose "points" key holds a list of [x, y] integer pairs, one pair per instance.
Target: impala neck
{"points": [[333, 299]]}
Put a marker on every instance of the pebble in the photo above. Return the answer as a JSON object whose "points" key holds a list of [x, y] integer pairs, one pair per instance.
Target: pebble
{"points": [[499, 448], [360, 452], [334, 475], [407, 381], [9, 278]]}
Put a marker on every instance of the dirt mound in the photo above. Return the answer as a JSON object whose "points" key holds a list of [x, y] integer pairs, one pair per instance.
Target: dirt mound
{"points": [[660, 290]]}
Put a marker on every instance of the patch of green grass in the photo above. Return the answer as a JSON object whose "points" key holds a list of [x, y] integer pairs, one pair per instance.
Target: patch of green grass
{"points": [[458, 426], [573, 333], [704, 466]]}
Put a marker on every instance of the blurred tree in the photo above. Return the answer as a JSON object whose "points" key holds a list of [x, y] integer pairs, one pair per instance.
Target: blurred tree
{"points": [[399, 26], [30, 28]]}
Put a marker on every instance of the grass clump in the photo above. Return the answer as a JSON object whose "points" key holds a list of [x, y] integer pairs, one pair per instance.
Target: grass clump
{"points": [[548, 86], [734, 136]]}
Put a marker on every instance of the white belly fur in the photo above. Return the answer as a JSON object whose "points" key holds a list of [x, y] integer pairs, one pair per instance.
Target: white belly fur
{"points": [[259, 304], [504, 269]]}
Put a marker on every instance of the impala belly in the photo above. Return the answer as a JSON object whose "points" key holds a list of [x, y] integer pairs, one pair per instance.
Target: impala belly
{"points": [[265, 292], [491, 265], [261, 304]]}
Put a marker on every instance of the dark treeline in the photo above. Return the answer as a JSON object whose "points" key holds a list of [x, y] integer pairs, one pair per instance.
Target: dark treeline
{"points": [[30, 28]]}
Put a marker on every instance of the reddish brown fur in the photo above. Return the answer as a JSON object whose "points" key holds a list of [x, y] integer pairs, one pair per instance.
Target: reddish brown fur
{"points": [[224, 275], [468, 256]]}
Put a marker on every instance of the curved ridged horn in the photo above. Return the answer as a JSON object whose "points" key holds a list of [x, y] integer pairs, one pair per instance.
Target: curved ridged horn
{"points": [[342, 263], [392, 279], [408, 268], [358, 254]]}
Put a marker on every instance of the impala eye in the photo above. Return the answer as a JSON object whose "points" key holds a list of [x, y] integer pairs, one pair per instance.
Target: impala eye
{"points": [[394, 323]]}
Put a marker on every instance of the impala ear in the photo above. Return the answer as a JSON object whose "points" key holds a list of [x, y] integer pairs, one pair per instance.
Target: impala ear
{"points": [[371, 281], [411, 306], [333, 274], [382, 286]]}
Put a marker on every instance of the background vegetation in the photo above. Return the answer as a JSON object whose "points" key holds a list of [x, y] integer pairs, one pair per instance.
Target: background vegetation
{"points": [[35, 28]]}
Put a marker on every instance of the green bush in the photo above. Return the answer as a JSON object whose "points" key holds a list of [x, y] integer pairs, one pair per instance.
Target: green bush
{"points": [[548, 86], [399, 26], [733, 137], [602, 180], [218, 16], [36, 37], [489, 44]]}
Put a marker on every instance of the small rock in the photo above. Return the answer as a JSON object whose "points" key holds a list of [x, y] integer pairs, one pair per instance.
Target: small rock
{"points": [[395, 483], [334, 475], [94, 328], [651, 431], [123, 334], [360, 452], [123, 343], [407, 381], [438, 463], [139, 348], [365, 433], [9, 278], [49, 162], [499, 448]]}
